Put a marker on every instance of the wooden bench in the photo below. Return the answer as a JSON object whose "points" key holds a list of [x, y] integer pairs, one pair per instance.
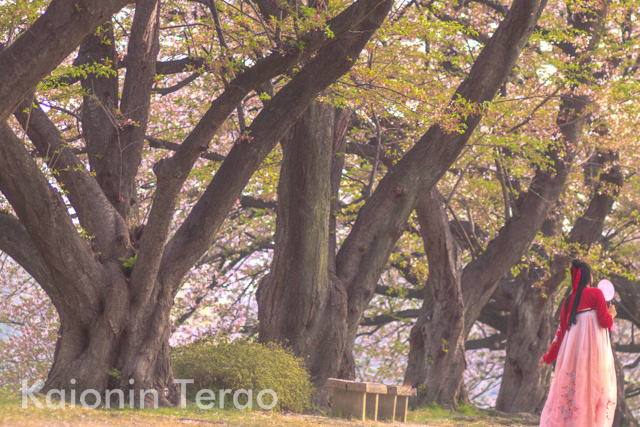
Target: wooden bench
{"points": [[365, 400]]}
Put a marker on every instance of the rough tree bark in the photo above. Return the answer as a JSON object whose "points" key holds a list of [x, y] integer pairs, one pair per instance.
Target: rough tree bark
{"points": [[524, 385], [623, 416], [381, 221], [301, 296], [440, 367], [481, 276], [115, 321]]}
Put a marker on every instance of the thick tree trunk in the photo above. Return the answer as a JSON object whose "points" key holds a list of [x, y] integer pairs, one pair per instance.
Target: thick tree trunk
{"points": [[523, 388], [99, 106], [524, 384], [301, 303], [436, 358], [480, 277], [382, 219], [121, 342], [623, 416], [115, 322], [103, 355], [114, 132]]}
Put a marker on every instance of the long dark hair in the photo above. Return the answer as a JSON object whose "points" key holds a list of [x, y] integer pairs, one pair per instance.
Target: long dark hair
{"points": [[585, 278]]}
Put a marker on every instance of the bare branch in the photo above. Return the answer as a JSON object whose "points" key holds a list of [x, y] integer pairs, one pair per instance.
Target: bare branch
{"points": [[493, 342], [633, 364], [176, 87], [384, 319], [176, 66], [628, 348], [161, 143]]}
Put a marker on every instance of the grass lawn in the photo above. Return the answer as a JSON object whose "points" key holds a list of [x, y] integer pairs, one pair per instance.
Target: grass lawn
{"points": [[12, 414]]}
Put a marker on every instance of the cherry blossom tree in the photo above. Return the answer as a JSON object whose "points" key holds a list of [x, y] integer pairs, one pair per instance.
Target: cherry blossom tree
{"points": [[111, 276], [152, 151]]}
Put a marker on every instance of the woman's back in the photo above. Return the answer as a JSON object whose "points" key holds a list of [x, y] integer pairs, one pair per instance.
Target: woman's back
{"points": [[593, 298], [583, 390]]}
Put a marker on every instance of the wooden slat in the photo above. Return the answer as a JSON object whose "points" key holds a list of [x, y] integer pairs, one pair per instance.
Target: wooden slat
{"points": [[367, 387], [337, 383], [401, 390]]}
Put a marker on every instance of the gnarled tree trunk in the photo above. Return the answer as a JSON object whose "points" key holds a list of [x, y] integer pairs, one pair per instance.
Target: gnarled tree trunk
{"points": [[362, 257], [301, 303], [524, 385], [115, 319], [438, 368], [383, 218]]}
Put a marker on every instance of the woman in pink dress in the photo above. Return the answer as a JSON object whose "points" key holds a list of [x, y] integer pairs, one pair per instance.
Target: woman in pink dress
{"points": [[583, 390]]}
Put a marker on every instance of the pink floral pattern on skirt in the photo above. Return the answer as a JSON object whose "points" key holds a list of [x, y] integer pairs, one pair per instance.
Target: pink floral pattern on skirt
{"points": [[570, 406], [583, 391]]}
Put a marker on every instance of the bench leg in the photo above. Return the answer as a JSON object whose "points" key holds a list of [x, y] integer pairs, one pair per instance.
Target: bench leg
{"points": [[387, 407], [402, 406], [372, 406], [348, 404]]}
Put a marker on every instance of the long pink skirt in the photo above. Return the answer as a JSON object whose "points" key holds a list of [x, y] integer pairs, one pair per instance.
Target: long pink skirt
{"points": [[583, 391]]}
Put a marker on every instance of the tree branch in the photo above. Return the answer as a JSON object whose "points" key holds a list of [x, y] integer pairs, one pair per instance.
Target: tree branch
{"points": [[494, 342], [492, 315], [143, 48], [369, 152], [160, 143], [50, 39], [384, 319], [533, 207], [174, 67], [633, 364], [382, 219], [355, 25], [627, 348], [68, 258], [15, 241], [176, 87], [173, 172], [96, 214], [253, 202]]}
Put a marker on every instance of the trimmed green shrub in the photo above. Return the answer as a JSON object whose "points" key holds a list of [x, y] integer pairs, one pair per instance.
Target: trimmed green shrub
{"points": [[246, 365]]}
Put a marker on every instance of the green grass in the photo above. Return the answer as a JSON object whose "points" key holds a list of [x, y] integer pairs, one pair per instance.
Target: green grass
{"points": [[12, 414], [468, 416]]}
